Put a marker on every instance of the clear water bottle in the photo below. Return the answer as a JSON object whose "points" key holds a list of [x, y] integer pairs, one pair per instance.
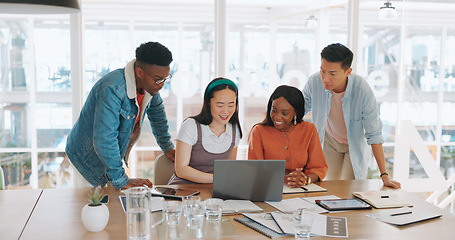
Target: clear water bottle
{"points": [[138, 213]]}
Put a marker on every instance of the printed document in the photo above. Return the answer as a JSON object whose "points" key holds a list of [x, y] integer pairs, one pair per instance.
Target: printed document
{"points": [[323, 225]]}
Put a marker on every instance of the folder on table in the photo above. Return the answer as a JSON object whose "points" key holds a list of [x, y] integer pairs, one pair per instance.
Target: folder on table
{"points": [[405, 216], [383, 199]]}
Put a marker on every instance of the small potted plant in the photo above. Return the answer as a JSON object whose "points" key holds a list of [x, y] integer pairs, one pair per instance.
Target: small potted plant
{"points": [[95, 214]]}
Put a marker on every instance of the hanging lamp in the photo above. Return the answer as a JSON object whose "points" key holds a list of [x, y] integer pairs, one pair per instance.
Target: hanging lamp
{"points": [[312, 22], [387, 12]]}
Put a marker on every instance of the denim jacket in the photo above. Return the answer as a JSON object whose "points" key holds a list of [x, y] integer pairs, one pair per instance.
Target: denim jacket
{"points": [[361, 115], [99, 139]]}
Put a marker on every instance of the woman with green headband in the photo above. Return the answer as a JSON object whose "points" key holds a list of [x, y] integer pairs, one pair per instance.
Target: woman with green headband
{"points": [[212, 134]]}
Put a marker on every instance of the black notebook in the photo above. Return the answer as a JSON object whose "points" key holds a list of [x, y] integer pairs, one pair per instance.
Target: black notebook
{"points": [[258, 227]]}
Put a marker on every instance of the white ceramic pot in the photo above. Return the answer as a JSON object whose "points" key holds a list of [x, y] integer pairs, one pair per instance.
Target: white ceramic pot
{"points": [[95, 218]]}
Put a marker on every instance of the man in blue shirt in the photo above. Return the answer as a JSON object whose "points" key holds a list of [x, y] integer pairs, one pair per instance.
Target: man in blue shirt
{"points": [[110, 120], [346, 116]]}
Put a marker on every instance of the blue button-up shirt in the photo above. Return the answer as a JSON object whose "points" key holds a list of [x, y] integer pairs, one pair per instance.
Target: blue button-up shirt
{"points": [[360, 112], [99, 139]]}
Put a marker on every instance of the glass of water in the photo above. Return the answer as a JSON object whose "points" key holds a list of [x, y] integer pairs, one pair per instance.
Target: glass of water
{"points": [[195, 216], [213, 209], [303, 221], [172, 212], [138, 213], [189, 201]]}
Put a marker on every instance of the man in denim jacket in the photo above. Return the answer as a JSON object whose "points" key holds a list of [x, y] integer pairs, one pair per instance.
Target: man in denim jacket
{"points": [[346, 115], [110, 120]]}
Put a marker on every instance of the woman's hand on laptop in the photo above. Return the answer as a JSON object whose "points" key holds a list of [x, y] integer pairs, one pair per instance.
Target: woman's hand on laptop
{"points": [[297, 178]]}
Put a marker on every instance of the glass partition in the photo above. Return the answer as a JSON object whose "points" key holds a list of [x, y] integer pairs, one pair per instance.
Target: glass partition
{"points": [[266, 46], [16, 169]]}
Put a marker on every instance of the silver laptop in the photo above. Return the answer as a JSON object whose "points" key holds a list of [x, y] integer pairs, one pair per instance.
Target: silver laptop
{"points": [[255, 180]]}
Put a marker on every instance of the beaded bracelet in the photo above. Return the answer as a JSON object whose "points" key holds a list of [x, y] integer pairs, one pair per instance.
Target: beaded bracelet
{"points": [[384, 173]]}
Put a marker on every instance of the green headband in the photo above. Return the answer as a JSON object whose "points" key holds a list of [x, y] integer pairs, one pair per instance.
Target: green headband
{"points": [[220, 82]]}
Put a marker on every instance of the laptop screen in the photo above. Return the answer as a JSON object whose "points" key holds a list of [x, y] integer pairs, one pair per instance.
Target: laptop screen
{"points": [[255, 180]]}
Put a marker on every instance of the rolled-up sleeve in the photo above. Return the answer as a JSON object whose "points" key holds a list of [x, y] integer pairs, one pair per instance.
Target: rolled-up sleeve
{"points": [[370, 118]]}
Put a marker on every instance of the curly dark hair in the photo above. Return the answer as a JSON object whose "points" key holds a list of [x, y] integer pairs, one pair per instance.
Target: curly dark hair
{"points": [[153, 53], [337, 52], [293, 95]]}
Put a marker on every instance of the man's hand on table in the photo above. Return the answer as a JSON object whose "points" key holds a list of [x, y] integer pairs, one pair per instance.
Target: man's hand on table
{"points": [[138, 182]]}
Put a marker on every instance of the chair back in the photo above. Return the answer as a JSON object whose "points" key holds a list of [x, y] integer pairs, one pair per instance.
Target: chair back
{"points": [[163, 170], [2, 179]]}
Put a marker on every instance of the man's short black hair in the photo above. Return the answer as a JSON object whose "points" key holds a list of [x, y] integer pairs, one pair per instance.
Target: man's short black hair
{"points": [[337, 52], [153, 53]]}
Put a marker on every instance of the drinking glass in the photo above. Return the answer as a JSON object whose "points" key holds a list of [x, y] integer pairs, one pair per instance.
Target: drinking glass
{"points": [[213, 209], [138, 213], [172, 211], [188, 201], [303, 222], [195, 216]]}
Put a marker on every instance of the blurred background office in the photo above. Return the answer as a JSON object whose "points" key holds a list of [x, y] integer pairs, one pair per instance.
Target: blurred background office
{"points": [[49, 62]]}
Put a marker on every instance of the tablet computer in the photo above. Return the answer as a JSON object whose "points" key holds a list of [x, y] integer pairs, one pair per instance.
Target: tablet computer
{"points": [[343, 204], [169, 192]]}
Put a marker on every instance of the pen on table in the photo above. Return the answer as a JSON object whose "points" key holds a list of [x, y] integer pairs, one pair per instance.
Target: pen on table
{"points": [[402, 213]]}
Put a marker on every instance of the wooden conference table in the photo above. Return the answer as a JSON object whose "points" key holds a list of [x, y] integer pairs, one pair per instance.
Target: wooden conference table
{"points": [[55, 214]]}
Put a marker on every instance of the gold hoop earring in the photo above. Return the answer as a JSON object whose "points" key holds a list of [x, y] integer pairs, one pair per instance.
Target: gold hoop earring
{"points": [[295, 120]]}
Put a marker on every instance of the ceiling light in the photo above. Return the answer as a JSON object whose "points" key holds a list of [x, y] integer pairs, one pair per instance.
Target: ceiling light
{"points": [[312, 22], [39, 6], [387, 12]]}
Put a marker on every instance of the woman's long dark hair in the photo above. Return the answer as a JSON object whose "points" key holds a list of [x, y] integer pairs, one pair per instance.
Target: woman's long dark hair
{"points": [[205, 116], [294, 97]]}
